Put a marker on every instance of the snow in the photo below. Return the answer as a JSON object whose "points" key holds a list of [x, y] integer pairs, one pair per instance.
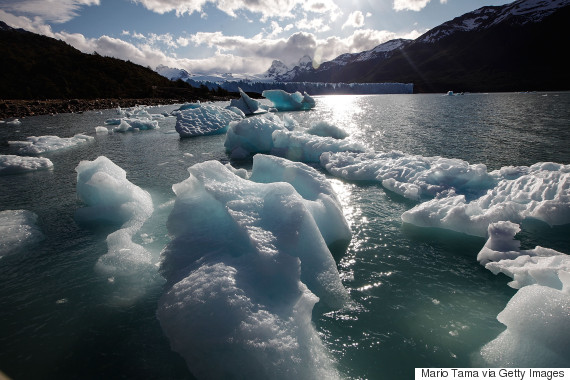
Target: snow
{"points": [[326, 129], [18, 230], [111, 199], [12, 164], [45, 144], [541, 191], [204, 120], [246, 264], [284, 101]]}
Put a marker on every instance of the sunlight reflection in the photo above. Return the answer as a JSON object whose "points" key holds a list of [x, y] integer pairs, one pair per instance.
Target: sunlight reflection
{"points": [[341, 110]]}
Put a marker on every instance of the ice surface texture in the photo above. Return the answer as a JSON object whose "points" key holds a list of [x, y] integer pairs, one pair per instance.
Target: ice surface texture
{"points": [[204, 120], [246, 104], [11, 164], [112, 199], [284, 101], [45, 144], [18, 230], [244, 268], [537, 316]]}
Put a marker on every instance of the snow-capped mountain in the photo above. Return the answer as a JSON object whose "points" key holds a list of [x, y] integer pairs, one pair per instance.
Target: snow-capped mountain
{"points": [[172, 73], [277, 71], [519, 12]]}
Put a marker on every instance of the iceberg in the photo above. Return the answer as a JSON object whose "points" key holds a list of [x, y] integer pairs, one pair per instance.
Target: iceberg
{"points": [[284, 101], [537, 316], [246, 104], [410, 176], [111, 199], [299, 146], [246, 264], [12, 164], [133, 124], [326, 129], [541, 191], [204, 120], [46, 144], [251, 135], [18, 230]]}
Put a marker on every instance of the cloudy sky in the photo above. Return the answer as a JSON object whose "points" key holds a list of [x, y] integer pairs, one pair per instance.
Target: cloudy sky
{"points": [[238, 36]]}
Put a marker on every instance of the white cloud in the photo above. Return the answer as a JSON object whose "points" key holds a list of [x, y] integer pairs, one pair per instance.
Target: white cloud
{"points": [[316, 24], [410, 5], [55, 11], [355, 20]]}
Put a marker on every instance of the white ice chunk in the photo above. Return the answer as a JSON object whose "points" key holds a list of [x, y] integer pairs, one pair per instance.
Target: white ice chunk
{"points": [[246, 104], [326, 129], [542, 192], [14, 123], [241, 269], [111, 198], [299, 146], [11, 164], [134, 124], [18, 230], [411, 176], [45, 144], [284, 101], [101, 130], [204, 120], [537, 333], [502, 254]]}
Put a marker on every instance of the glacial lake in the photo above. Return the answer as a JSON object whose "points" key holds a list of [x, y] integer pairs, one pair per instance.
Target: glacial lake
{"points": [[419, 296]]}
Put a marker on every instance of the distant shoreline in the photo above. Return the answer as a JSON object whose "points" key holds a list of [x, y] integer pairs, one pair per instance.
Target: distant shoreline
{"points": [[24, 108]]}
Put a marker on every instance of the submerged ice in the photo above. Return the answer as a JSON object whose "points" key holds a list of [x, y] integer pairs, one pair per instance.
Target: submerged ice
{"points": [[247, 262], [19, 231]]}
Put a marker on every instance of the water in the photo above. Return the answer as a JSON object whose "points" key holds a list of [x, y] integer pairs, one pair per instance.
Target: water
{"points": [[421, 297]]}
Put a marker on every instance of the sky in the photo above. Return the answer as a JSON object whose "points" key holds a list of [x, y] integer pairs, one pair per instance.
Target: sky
{"points": [[230, 36]]}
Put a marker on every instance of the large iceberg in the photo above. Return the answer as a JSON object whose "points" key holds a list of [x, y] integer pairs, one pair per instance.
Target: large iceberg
{"points": [[12, 164], [270, 134], [45, 144], [541, 191], [537, 316], [284, 101], [18, 230], [204, 120], [245, 266], [112, 199]]}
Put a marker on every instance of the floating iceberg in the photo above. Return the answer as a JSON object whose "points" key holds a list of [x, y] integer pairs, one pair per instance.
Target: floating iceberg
{"points": [[13, 123], [284, 101], [243, 267], [410, 176], [136, 119], [45, 144], [252, 135], [133, 124], [246, 104], [100, 130], [112, 199], [541, 191], [11, 164], [204, 120], [537, 315], [326, 129], [299, 146], [18, 230]]}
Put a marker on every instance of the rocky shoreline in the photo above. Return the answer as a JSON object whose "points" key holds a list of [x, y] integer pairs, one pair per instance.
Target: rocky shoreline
{"points": [[23, 108]]}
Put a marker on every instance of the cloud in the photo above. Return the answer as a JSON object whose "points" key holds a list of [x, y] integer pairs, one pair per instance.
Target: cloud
{"points": [[55, 11], [267, 8], [355, 20], [410, 5]]}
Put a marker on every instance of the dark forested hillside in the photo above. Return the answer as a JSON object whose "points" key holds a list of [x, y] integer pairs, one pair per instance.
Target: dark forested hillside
{"points": [[38, 67]]}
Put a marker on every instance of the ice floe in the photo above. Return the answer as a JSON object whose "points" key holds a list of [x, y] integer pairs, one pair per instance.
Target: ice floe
{"points": [[284, 101], [246, 104], [45, 144], [244, 268], [326, 129], [204, 120], [537, 316], [18, 230], [110, 198], [12, 164]]}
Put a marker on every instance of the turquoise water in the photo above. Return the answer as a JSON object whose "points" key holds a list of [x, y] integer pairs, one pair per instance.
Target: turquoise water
{"points": [[421, 299]]}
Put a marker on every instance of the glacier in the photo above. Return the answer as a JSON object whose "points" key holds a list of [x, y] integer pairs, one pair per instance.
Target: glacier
{"points": [[247, 262], [19, 231], [12, 164]]}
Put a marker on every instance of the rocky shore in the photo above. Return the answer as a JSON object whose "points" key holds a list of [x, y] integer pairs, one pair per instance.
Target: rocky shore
{"points": [[23, 108]]}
